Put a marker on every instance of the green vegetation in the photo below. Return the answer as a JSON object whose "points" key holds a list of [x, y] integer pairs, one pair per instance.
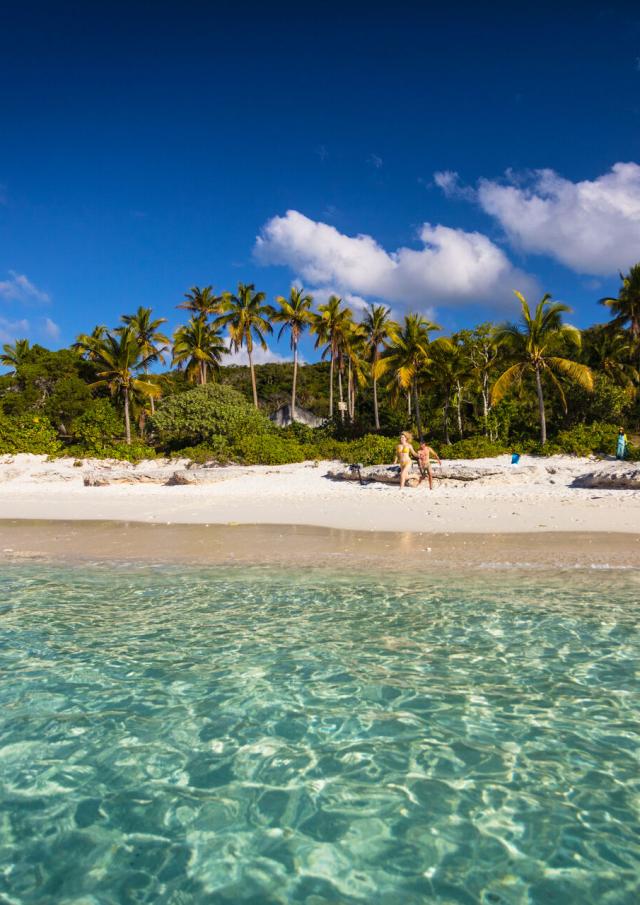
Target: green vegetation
{"points": [[538, 386]]}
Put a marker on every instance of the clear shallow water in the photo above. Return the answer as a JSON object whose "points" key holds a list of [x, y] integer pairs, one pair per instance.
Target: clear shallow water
{"points": [[264, 736]]}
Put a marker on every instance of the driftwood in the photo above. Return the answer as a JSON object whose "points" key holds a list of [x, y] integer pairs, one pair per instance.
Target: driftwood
{"points": [[621, 477], [167, 477], [390, 474]]}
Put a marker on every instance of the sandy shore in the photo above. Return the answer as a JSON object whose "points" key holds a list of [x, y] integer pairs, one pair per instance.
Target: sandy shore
{"points": [[351, 552], [536, 498]]}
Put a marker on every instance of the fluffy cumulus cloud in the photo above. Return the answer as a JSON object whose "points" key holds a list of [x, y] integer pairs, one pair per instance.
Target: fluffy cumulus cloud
{"points": [[18, 288], [451, 266], [592, 226], [260, 357]]}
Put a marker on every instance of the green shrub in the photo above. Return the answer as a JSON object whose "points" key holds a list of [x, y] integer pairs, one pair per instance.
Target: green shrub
{"points": [[28, 434], [194, 417], [99, 428], [268, 449], [370, 450], [216, 449], [473, 448], [585, 439]]}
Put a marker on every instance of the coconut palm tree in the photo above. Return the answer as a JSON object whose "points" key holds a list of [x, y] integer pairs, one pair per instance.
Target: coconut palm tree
{"points": [[202, 302], [119, 361], [153, 344], [87, 343], [354, 351], [450, 369], [409, 355], [12, 356], [295, 316], [198, 346], [379, 330], [626, 307], [331, 325], [533, 346], [247, 318], [611, 352]]}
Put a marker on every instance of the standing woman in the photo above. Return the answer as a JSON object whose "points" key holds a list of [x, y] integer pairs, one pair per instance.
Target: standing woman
{"points": [[404, 451], [621, 445]]}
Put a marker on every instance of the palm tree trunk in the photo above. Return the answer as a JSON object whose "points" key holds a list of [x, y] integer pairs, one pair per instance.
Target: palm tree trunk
{"points": [[376, 417], [127, 417], [295, 380], [543, 419], [340, 393], [459, 409], [253, 378], [350, 392], [203, 373], [417, 402], [409, 404], [445, 418], [485, 403], [331, 387], [153, 405]]}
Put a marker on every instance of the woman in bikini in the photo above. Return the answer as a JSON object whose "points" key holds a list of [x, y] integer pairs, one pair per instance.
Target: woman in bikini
{"points": [[404, 451]]}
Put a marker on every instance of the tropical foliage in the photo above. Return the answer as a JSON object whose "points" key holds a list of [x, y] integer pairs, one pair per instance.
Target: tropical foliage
{"points": [[538, 384]]}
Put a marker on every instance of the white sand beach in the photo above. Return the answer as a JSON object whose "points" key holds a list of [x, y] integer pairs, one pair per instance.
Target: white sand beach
{"points": [[536, 496]]}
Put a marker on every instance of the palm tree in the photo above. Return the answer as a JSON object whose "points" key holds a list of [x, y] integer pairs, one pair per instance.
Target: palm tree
{"points": [[13, 356], [87, 343], [200, 347], [331, 325], [295, 315], [533, 345], [379, 330], [202, 302], [611, 352], [354, 352], [450, 369], [247, 318], [626, 307], [409, 355], [153, 344], [119, 360]]}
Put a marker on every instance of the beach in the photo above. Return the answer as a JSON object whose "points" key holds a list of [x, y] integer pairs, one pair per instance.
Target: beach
{"points": [[535, 496]]}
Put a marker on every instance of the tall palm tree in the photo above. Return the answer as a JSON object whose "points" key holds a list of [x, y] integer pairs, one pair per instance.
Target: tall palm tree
{"points": [[199, 347], [626, 307], [379, 330], [451, 368], [119, 361], [611, 352], [247, 317], [87, 343], [202, 302], [12, 356], [153, 344], [534, 345], [355, 354], [331, 325], [295, 315], [409, 355]]}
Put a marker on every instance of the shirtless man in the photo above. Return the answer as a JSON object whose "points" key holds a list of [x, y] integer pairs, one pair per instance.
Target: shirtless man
{"points": [[424, 461]]}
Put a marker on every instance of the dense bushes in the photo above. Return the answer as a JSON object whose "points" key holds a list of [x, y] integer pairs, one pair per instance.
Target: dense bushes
{"points": [[27, 434], [204, 413], [473, 448], [97, 433]]}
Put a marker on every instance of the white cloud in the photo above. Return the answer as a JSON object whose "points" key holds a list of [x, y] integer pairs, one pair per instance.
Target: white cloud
{"points": [[452, 267], [375, 161], [12, 330], [592, 226], [449, 182], [50, 329], [18, 288]]}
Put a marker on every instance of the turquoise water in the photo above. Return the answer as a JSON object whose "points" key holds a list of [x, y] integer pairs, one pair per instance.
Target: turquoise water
{"points": [[257, 735]]}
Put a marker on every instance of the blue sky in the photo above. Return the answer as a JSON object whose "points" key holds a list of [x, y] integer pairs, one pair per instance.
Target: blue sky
{"points": [[146, 147]]}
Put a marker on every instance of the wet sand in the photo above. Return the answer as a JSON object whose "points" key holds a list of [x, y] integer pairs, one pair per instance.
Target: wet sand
{"points": [[306, 546]]}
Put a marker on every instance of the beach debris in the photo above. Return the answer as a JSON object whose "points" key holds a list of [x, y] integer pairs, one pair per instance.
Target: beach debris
{"points": [[618, 476], [452, 471]]}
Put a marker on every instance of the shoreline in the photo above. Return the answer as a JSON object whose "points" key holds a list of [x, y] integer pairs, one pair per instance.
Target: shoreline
{"points": [[303, 546], [538, 496]]}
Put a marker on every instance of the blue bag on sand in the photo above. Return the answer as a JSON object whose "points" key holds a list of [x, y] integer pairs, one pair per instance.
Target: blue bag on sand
{"points": [[515, 458]]}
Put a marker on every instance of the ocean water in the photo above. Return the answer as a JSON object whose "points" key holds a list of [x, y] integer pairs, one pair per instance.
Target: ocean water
{"points": [[265, 735]]}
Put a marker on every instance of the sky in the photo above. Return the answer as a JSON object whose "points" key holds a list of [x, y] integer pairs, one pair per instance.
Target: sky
{"points": [[430, 156]]}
